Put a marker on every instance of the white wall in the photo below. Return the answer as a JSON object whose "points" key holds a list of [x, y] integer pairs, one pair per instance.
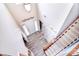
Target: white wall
{"points": [[10, 37], [74, 13], [53, 17], [20, 13]]}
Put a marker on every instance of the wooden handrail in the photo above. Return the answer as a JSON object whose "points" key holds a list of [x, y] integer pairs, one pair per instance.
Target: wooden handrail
{"points": [[67, 27], [59, 36], [45, 47], [73, 50]]}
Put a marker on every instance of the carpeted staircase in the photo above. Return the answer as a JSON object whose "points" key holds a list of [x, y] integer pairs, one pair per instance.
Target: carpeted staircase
{"points": [[36, 42]]}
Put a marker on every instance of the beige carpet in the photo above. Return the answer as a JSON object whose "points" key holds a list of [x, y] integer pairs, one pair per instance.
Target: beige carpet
{"points": [[36, 42]]}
